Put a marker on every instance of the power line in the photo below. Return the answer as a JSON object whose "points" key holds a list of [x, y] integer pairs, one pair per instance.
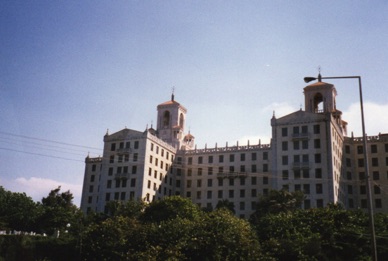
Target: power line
{"points": [[50, 141], [39, 154]]}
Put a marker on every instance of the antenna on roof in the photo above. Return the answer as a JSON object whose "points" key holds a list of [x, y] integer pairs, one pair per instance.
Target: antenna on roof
{"points": [[319, 74], [172, 95]]}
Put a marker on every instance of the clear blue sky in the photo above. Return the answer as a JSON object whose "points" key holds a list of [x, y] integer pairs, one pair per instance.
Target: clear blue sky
{"points": [[71, 69]]}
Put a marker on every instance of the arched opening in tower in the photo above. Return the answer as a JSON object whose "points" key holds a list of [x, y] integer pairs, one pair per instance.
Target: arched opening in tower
{"points": [[318, 103]]}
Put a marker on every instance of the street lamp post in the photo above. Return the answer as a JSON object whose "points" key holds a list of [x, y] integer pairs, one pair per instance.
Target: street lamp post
{"points": [[368, 183]]}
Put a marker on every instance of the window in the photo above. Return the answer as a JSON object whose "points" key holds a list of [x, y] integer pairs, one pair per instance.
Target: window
{"points": [[124, 183], [242, 168], [113, 147], [220, 194], [317, 158], [254, 193], [126, 157], [375, 162], [386, 147], [128, 144], [318, 188], [119, 170], [178, 183], [285, 145], [188, 184], [210, 170], [231, 193], [284, 160], [254, 156], [265, 167], [136, 146], [94, 167], [306, 173], [361, 176], [265, 180], [221, 158], [112, 159], [200, 160], [317, 129], [284, 132], [242, 182], [350, 189], [319, 203], [90, 188], [92, 177], [231, 182], [363, 203], [107, 196], [378, 203], [285, 174], [242, 205], [210, 159], [242, 193], [198, 194], [296, 158], [376, 175], [254, 168], [348, 163], [373, 148], [209, 194], [317, 144], [361, 162], [90, 199], [122, 196], [231, 157], [117, 183], [117, 195], [150, 159], [360, 150], [297, 174], [318, 173], [265, 155], [304, 129], [199, 172], [376, 189], [109, 183], [199, 183], [295, 130], [220, 182], [297, 187], [189, 172], [296, 145], [351, 203], [135, 156], [347, 149], [242, 157], [306, 188], [134, 169], [120, 158], [220, 170], [305, 144], [253, 180], [209, 182], [110, 171], [348, 175], [362, 189], [189, 160]]}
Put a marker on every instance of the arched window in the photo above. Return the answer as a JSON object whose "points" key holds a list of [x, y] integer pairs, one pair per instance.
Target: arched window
{"points": [[318, 102], [166, 119], [181, 120]]}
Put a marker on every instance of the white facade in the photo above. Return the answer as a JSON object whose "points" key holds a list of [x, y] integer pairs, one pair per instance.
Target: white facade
{"points": [[309, 151]]}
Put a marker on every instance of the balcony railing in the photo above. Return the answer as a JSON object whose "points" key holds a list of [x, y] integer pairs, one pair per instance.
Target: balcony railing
{"points": [[304, 135], [301, 165], [122, 176], [232, 175]]}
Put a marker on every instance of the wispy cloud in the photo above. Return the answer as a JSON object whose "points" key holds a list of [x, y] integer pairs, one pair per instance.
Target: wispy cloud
{"points": [[37, 188]]}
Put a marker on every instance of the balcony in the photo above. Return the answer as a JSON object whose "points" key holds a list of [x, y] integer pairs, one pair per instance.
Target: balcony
{"points": [[124, 150], [232, 175], [301, 136], [301, 165], [121, 175]]}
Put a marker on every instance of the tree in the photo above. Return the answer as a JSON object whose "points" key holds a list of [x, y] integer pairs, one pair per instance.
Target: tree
{"points": [[170, 208], [17, 211], [226, 204], [130, 208], [59, 213], [277, 202]]}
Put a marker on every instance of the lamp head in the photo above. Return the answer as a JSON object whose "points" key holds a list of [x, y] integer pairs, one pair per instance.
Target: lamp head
{"points": [[309, 79]]}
